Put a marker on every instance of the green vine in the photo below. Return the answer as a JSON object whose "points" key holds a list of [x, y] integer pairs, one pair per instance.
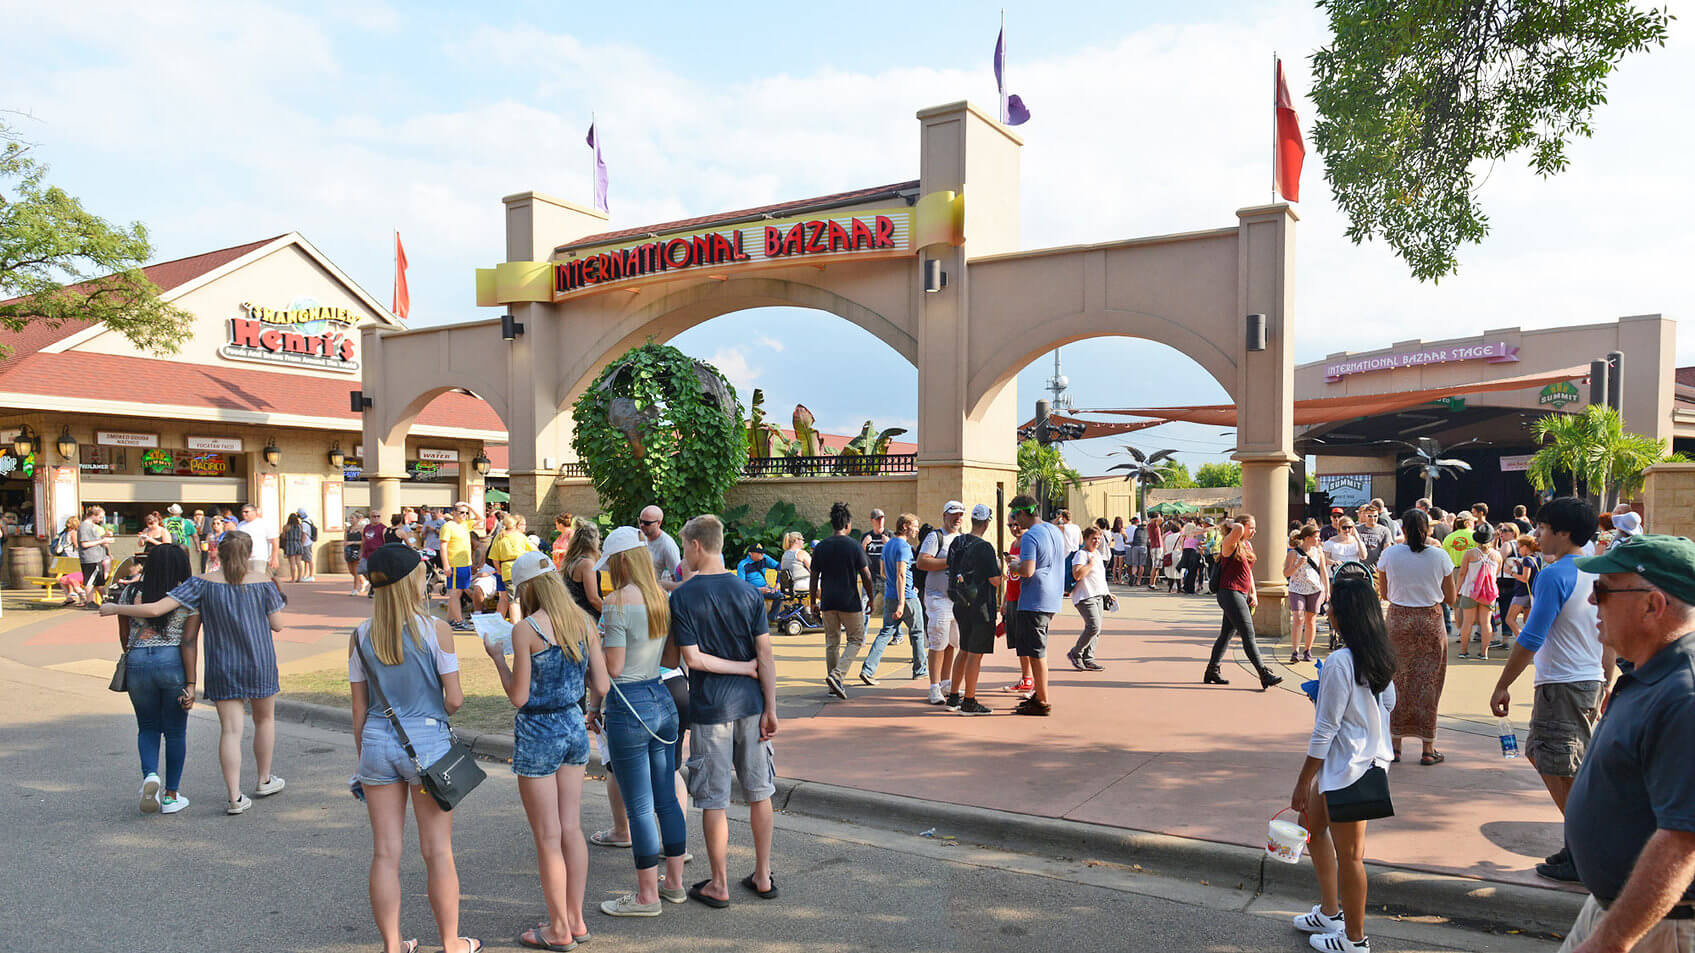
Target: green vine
{"points": [[658, 427]]}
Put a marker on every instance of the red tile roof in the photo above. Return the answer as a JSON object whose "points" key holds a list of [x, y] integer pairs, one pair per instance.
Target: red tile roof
{"points": [[143, 381], [16, 345], [856, 197], [1686, 376]]}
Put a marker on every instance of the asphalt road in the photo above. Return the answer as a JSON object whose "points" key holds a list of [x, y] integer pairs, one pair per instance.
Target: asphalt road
{"points": [[82, 869]]}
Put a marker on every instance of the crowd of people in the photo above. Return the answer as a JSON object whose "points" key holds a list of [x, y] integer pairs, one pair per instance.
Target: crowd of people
{"points": [[677, 651]]}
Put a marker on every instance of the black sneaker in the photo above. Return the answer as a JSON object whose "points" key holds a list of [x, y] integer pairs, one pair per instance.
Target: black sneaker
{"points": [[1563, 872], [1030, 706], [972, 706], [1093, 666], [1076, 662], [953, 701], [834, 684], [1561, 856]]}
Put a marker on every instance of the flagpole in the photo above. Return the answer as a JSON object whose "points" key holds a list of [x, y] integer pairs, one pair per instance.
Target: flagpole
{"points": [[1001, 72], [1274, 92]]}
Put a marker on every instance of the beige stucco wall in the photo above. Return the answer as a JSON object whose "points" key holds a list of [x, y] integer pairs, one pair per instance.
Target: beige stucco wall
{"points": [[1668, 499], [812, 496], [1111, 497], [276, 280]]}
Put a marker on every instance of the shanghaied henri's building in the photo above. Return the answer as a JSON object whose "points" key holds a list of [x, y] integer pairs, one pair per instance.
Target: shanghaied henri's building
{"points": [[255, 405]]}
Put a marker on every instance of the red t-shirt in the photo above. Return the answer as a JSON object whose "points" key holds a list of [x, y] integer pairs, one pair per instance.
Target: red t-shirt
{"points": [[1013, 580], [372, 538]]}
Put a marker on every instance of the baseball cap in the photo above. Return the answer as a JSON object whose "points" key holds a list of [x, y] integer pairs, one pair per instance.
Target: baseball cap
{"points": [[876, 513], [176, 510], [528, 566], [1627, 523], [390, 563], [755, 548], [1666, 561], [301, 512], [1336, 509], [623, 539], [981, 512], [951, 507]]}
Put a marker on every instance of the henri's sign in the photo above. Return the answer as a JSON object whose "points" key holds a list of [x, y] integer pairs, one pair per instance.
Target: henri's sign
{"points": [[304, 337], [882, 233]]}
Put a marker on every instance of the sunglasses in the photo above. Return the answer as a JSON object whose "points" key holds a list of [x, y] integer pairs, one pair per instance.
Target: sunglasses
{"points": [[648, 522], [1603, 591]]}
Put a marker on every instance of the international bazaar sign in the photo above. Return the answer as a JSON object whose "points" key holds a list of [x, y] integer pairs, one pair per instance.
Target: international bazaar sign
{"points": [[311, 336], [1499, 352]]}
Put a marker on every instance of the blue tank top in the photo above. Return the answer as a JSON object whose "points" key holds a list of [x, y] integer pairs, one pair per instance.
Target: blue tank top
{"points": [[412, 687], [556, 682]]}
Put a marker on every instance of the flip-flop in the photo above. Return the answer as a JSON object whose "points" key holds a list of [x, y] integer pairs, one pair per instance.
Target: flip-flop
{"points": [[409, 946], [1434, 757], [472, 944], [583, 938], [532, 939], [752, 885], [604, 839], [713, 902]]}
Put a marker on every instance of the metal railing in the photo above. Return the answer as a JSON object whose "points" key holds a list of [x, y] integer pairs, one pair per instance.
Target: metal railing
{"points": [[824, 466]]}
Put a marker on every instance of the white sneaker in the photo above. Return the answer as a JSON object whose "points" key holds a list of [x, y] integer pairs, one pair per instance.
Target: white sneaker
{"points": [[1338, 943], [947, 687], [150, 794], [239, 807], [1317, 922], [171, 805], [936, 696], [270, 786]]}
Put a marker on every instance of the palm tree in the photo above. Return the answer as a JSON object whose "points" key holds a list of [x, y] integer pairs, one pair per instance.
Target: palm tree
{"points": [[1595, 450], [1147, 469], [1428, 462], [1042, 471]]}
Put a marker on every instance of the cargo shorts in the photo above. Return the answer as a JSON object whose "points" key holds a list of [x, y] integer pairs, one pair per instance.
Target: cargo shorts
{"points": [[1562, 717], [714, 750]]}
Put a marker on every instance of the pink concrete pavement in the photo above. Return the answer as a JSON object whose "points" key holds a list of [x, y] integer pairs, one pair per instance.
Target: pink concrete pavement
{"points": [[1143, 745]]}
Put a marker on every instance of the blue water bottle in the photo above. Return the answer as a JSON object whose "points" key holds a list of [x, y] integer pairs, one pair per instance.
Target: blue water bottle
{"points": [[1509, 741]]}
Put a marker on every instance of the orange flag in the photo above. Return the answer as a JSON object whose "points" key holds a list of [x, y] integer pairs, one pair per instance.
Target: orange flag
{"points": [[402, 297], [1290, 150]]}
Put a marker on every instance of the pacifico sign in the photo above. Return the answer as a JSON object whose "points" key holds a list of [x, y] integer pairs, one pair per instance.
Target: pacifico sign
{"points": [[848, 236], [303, 336]]}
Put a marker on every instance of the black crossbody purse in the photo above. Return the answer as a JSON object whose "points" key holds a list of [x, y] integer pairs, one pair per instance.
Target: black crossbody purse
{"points": [[453, 775]]}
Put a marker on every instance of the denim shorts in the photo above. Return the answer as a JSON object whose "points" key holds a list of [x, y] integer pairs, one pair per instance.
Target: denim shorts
{"points": [[383, 761], [543, 742]]}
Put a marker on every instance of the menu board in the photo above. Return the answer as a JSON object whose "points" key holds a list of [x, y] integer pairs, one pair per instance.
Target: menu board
{"points": [[335, 519], [270, 497]]}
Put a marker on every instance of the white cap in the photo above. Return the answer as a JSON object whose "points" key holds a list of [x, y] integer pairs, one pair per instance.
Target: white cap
{"points": [[528, 566], [981, 512], [952, 506], [621, 540], [174, 510], [1628, 523]]}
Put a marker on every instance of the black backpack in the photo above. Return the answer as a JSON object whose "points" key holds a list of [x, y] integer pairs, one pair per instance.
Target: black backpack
{"points": [[971, 594], [919, 575]]}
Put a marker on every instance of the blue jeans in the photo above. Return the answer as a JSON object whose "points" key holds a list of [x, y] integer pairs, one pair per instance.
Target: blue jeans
{"points": [[646, 768], [914, 622], [155, 680]]}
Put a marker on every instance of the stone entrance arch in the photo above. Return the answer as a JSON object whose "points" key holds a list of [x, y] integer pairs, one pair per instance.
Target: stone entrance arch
{"points": [[873, 257]]}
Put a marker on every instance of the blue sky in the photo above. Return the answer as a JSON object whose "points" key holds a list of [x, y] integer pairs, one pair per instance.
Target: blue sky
{"points": [[219, 123]]}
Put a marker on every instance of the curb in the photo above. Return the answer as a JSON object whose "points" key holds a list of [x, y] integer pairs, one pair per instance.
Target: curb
{"points": [[1479, 903]]}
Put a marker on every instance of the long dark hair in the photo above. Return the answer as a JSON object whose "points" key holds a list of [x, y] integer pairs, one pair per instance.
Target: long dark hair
{"points": [[1416, 524], [1359, 620], [166, 568]]}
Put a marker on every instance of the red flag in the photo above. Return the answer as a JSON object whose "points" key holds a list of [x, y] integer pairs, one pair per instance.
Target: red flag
{"points": [[1290, 150], [402, 297]]}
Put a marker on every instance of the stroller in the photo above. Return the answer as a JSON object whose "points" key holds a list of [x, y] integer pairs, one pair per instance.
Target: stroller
{"points": [[792, 617]]}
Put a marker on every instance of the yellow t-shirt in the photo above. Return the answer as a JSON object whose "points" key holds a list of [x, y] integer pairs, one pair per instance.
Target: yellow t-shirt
{"points": [[456, 543], [1456, 544], [505, 548]]}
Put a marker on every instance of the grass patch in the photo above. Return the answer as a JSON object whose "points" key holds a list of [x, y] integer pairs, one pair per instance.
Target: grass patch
{"points": [[486, 706]]}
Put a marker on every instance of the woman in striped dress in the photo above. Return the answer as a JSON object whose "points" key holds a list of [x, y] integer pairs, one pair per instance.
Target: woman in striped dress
{"points": [[239, 613]]}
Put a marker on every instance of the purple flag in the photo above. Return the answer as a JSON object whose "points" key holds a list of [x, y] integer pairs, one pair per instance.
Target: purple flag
{"points": [[599, 173], [1013, 112]]}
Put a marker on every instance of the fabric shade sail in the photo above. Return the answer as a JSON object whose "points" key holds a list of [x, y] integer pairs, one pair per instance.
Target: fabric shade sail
{"points": [[1323, 410], [1092, 428]]}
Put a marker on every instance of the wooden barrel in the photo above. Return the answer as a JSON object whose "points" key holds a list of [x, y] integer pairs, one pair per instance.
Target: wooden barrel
{"points": [[25, 557]]}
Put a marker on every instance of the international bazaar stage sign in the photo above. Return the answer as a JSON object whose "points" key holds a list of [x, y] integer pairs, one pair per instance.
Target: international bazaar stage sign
{"points": [[1498, 352]]}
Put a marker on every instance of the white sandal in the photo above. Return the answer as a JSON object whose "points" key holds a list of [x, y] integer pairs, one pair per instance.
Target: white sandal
{"points": [[604, 839]]}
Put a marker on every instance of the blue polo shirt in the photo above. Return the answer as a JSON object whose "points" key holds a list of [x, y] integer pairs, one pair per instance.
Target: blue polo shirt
{"points": [[1636, 775], [896, 551], [1043, 544]]}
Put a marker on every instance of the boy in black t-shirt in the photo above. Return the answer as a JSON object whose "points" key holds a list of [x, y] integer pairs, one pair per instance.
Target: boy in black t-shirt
{"points": [[974, 585], [839, 569]]}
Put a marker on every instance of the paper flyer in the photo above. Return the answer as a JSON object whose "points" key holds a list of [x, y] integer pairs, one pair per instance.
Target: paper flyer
{"points": [[494, 630]]}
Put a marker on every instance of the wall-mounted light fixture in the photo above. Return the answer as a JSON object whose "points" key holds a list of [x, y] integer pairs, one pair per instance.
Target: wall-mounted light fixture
{"points": [[481, 463], [67, 444], [24, 443], [273, 456], [1256, 332], [510, 328], [361, 403], [337, 458], [935, 279]]}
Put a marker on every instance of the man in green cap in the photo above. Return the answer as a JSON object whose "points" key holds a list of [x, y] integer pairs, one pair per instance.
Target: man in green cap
{"points": [[1630, 820]]}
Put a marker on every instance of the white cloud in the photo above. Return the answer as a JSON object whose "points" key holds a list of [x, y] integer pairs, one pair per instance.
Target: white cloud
{"points": [[734, 364], [770, 343]]}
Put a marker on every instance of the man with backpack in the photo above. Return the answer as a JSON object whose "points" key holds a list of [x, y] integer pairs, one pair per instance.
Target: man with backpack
{"points": [[974, 585], [941, 634], [310, 529], [182, 530]]}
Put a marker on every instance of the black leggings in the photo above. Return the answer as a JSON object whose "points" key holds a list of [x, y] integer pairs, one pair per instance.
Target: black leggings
{"points": [[1191, 566], [1238, 617]]}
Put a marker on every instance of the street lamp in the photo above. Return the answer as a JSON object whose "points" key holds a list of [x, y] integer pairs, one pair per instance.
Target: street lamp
{"points": [[273, 456], [24, 443], [337, 458], [67, 444], [480, 463]]}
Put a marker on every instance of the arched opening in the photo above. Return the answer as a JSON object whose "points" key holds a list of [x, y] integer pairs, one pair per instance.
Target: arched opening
{"points": [[433, 443]]}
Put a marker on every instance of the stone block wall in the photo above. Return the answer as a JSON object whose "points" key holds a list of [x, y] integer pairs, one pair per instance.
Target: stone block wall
{"points": [[1668, 499]]}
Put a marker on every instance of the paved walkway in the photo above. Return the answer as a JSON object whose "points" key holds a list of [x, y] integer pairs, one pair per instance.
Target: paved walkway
{"points": [[1143, 745]]}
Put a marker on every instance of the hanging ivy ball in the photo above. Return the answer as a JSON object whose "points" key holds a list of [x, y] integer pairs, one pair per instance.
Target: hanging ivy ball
{"points": [[659, 427]]}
